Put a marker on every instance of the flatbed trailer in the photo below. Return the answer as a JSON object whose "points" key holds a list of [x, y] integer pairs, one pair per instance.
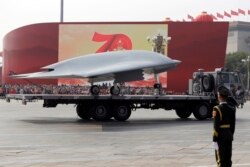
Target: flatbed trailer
{"points": [[201, 98], [104, 107]]}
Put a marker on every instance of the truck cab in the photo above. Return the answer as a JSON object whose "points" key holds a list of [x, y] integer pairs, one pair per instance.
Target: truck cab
{"points": [[206, 83]]}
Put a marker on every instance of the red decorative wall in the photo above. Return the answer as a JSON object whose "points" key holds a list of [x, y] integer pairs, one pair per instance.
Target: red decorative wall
{"points": [[199, 45], [28, 48], [196, 44]]}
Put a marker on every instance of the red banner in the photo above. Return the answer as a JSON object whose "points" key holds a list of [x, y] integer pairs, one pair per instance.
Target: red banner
{"points": [[190, 17], [215, 18], [234, 13], [240, 11], [227, 14], [219, 15]]}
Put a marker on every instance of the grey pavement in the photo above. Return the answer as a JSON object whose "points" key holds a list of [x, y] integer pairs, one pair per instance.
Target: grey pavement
{"points": [[32, 136]]}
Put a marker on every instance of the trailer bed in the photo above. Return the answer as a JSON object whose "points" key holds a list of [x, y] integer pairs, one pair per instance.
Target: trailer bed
{"points": [[29, 97], [103, 107]]}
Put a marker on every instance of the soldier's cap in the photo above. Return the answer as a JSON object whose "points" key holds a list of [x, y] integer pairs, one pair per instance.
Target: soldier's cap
{"points": [[223, 91]]}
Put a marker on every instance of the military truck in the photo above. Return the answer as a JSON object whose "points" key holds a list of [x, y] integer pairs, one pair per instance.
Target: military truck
{"points": [[198, 100]]}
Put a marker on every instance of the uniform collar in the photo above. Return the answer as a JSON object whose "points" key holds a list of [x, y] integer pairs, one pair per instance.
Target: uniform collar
{"points": [[223, 102]]}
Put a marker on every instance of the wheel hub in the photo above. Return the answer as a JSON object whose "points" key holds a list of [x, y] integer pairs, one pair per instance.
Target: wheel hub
{"points": [[203, 110], [122, 111], [100, 110]]}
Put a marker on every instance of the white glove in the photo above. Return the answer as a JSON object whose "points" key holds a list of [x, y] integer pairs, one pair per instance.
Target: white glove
{"points": [[215, 144]]}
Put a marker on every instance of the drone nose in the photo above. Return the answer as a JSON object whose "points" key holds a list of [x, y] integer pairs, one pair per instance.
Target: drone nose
{"points": [[177, 61]]}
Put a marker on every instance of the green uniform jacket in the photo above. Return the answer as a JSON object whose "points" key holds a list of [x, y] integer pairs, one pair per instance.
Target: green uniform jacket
{"points": [[224, 122]]}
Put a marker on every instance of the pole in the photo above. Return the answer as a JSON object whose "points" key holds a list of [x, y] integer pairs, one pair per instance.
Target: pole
{"points": [[61, 12]]}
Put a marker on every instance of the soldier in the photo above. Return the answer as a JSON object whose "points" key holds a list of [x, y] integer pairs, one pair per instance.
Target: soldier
{"points": [[224, 126]]}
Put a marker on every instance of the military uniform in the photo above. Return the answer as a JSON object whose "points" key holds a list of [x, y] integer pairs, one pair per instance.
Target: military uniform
{"points": [[224, 126]]}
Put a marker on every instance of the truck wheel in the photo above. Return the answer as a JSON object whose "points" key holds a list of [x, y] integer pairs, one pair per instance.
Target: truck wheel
{"points": [[94, 90], [115, 90], [100, 112], [83, 112], [183, 113], [201, 111], [122, 112], [207, 83]]}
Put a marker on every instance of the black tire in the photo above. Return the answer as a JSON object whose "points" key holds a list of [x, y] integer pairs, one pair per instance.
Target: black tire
{"points": [[100, 112], [83, 112], [95, 90], [183, 113], [202, 111], [115, 90], [207, 83], [121, 112]]}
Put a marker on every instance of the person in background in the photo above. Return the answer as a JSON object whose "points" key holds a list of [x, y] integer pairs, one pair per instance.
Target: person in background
{"points": [[1, 91]]}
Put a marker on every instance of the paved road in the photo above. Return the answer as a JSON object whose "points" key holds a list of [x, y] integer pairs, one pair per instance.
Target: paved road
{"points": [[33, 136]]}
